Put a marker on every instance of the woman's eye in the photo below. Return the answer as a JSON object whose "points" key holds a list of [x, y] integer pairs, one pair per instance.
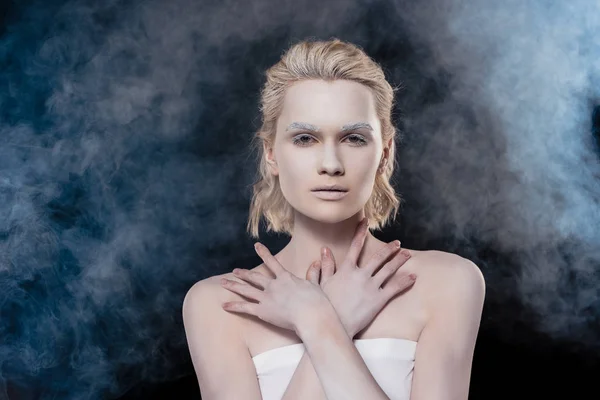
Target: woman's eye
{"points": [[298, 140], [357, 139]]}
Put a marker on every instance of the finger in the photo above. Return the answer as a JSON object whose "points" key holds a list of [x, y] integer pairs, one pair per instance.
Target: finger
{"points": [[327, 263], [313, 273], [390, 268], [397, 285], [270, 261], [252, 276], [318, 265], [357, 244], [381, 256], [241, 307], [243, 289]]}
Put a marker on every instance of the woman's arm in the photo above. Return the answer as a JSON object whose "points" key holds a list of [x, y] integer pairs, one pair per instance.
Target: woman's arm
{"points": [[445, 351], [338, 365], [305, 383], [217, 349]]}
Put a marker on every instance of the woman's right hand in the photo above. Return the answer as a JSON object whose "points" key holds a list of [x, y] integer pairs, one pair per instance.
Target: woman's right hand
{"points": [[356, 294]]}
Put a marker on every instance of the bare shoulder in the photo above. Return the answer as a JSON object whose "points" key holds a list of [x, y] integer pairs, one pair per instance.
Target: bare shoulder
{"points": [[447, 275], [207, 289], [212, 293], [217, 346], [208, 296], [201, 301], [444, 263]]}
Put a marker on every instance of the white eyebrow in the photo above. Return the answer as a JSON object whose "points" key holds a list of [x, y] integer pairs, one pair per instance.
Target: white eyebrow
{"points": [[313, 128]]}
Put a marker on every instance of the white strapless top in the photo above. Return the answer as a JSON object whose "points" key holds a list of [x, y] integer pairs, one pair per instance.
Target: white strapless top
{"points": [[390, 361]]}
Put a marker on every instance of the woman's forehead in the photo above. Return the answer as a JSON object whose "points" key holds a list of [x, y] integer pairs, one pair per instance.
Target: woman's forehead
{"points": [[318, 90]]}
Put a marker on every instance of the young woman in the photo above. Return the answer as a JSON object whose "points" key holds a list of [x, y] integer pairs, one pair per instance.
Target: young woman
{"points": [[357, 323]]}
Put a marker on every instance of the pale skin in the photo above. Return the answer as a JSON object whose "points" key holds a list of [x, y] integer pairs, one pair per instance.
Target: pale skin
{"points": [[446, 344], [325, 157], [340, 287], [300, 305]]}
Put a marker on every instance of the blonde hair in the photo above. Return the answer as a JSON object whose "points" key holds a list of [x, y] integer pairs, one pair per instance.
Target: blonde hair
{"points": [[324, 60]]}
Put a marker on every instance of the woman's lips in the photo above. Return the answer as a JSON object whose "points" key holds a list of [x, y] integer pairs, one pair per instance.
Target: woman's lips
{"points": [[329, 194]]}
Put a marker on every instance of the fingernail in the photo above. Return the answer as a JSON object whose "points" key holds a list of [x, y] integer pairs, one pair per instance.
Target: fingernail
{"points": [[256, 246], [397, 244], [324, 251]]}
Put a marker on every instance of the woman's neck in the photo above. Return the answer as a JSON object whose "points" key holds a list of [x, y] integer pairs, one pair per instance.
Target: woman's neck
{"points": [[299, 253]]}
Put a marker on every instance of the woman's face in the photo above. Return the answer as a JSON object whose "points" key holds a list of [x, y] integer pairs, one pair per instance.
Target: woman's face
{"points": [[316, 145]]}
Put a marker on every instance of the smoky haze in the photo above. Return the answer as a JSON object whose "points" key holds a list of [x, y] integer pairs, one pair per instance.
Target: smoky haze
{"points": [[125, 170]]}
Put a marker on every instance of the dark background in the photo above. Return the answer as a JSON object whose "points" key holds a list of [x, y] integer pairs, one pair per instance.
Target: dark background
{"points": [[125, 177]]}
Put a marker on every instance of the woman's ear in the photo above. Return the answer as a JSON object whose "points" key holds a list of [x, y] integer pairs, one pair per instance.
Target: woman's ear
{"points": [[387, 147], [270, 157]]}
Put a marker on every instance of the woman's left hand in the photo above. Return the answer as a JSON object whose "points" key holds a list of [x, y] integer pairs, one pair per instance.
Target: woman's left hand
{"points": [[286, 301]]}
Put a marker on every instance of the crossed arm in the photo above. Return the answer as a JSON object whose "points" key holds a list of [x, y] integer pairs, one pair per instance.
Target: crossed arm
{"points": [[332, 368]]}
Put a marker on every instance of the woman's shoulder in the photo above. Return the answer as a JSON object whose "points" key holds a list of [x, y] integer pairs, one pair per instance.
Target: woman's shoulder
{"points": [[205, 298], [207, 284], [443, 273], [202, 295], [212, 285], [439, 262]]}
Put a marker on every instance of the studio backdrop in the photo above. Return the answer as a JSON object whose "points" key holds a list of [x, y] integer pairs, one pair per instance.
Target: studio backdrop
{"points": [[126, 174]]}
